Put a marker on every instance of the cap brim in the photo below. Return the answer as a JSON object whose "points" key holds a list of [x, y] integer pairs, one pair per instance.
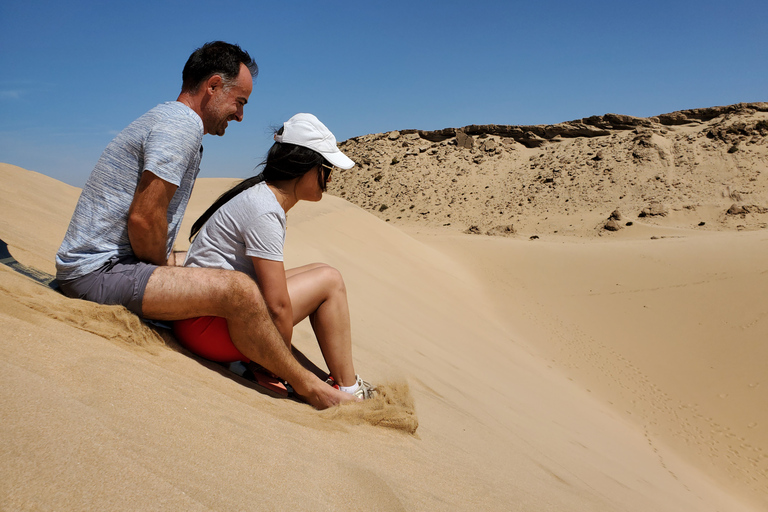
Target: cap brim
{"points": [[339, 159]]}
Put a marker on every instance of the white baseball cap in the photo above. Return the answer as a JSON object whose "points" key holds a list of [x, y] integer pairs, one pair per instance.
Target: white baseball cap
{"points": [[306, 130]]}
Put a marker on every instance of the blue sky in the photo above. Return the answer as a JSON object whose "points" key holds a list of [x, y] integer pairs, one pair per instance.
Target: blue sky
{"points": [[73, 74]]}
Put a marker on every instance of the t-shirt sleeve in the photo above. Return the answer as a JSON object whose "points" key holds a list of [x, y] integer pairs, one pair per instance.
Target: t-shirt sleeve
{"points": [[264, 237], [170, 147]]}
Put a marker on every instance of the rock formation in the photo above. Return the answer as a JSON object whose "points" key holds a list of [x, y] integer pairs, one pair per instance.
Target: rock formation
{"points": [[560, 178]]}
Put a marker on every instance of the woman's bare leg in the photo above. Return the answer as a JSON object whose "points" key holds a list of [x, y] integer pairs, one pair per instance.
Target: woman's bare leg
{"points": [[317, 291]]}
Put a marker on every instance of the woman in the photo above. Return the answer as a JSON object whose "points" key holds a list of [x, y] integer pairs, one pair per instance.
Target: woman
{"points": [[244, 230]]}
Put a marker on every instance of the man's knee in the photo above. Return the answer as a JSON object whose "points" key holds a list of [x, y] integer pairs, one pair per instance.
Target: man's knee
{"points": [[239, 290]]}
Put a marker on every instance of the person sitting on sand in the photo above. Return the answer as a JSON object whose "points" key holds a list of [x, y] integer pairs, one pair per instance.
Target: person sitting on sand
{"points": [[118, 247], [244, 230]]}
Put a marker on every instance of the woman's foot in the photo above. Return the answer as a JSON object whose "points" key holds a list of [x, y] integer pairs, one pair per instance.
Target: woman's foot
{"points": [[361, 389]]}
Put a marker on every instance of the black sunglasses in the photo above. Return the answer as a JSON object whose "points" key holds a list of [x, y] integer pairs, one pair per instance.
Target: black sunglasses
{"points": [[327, 175]]}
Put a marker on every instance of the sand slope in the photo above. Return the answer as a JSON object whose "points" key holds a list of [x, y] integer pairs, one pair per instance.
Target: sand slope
{"points": [[669, 332], [510, 358]]}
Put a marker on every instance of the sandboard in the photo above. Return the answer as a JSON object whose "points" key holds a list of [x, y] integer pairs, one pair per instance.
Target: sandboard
{"points": [[261, 376], [252, 373], [36, 275]]}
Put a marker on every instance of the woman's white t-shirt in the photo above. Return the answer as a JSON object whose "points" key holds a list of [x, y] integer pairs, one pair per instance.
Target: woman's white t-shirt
{"points": [[251, 224]]}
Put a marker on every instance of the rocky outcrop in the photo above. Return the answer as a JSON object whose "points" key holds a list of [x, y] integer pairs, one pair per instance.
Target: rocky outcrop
{"points": [[485, 179], [594, 126], [529, 136], [707, 114]]}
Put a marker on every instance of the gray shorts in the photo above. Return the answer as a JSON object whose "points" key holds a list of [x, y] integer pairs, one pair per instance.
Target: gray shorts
{"points": [[122, 280]]}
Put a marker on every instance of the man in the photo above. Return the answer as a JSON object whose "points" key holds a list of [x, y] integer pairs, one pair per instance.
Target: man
{"points": [[118, 247]]}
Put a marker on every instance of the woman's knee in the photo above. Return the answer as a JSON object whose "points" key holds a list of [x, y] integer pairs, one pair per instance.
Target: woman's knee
{"points": [[332, 278]]}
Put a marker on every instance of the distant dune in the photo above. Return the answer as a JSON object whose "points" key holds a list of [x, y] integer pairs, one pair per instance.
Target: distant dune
{"points": [[686, 169], [564, 364]]}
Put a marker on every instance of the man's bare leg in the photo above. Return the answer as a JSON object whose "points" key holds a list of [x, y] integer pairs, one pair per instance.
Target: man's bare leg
{"points": [[177, 293]]}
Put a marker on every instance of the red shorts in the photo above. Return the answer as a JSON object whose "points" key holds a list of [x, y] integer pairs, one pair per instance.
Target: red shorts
{"points": [[208, 337]]}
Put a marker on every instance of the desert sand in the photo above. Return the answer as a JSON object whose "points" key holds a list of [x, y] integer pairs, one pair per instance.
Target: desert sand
{"points": [[552, 364]]}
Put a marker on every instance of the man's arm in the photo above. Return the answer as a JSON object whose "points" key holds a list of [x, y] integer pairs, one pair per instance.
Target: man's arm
{"points": [[148, 218]]}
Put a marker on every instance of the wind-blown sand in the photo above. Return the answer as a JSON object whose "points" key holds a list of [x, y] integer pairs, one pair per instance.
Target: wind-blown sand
{"points": [[571, 372]]}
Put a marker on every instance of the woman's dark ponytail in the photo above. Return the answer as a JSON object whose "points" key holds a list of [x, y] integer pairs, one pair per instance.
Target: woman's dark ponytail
{"points": [[222, 200]]}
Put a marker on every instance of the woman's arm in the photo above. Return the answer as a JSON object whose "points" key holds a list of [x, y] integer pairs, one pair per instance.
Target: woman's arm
{"points": [[272, 282]]}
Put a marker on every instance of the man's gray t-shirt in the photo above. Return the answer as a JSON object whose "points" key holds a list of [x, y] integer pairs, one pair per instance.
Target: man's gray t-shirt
{"points": [[251, 224], [165, 141]]}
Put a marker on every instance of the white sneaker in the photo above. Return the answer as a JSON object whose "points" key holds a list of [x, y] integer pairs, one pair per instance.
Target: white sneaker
{"points": [[364, 388]]}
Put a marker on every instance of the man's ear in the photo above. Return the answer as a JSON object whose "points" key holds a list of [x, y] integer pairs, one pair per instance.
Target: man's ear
{"points": [[213, 83]]}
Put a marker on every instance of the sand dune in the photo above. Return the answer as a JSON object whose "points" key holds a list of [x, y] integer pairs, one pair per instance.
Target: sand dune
{"points": [[558, 374]]}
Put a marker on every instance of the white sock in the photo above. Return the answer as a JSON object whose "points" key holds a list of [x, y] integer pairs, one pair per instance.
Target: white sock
{"points": [[350, 389]]}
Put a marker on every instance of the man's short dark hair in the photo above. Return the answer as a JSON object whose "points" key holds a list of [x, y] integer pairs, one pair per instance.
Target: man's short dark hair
{"points": [[215, 58]]}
